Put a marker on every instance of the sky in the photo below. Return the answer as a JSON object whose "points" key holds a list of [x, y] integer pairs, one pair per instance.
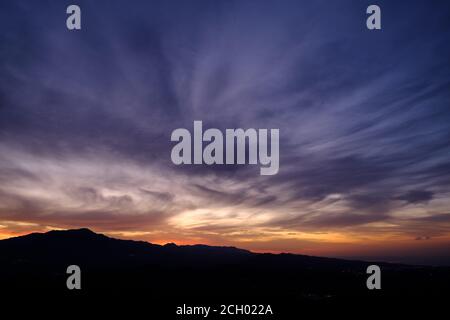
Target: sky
{"points": [[364, 117]]}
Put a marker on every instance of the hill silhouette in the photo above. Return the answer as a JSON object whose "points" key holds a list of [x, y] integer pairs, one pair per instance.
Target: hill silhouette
{"points": [[135, 269], [87, 248]]}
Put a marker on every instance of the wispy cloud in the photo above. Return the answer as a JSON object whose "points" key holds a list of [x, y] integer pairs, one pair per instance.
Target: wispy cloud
{"points": [[86, 117]]}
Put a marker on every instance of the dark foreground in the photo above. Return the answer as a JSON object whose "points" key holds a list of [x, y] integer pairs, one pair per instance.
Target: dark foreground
{"points": [[137, 279]]}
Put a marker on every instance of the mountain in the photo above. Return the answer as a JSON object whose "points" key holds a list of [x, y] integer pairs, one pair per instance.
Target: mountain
{"points": [[55, 249], [85, 247], [123, 268]]}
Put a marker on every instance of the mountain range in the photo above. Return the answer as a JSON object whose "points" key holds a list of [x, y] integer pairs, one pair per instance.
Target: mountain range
{"points": [[133, 270]]}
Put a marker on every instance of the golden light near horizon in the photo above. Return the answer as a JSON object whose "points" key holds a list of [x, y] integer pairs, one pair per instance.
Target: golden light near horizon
{"points": [[129, 200]]}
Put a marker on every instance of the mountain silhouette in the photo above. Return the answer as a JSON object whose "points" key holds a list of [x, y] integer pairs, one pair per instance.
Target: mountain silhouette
{"points": [[37, 263], [86, 247], [83, 246]]}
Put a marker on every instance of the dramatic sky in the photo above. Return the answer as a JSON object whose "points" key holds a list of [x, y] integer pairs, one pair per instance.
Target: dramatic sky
{"points": [[364, 118]]}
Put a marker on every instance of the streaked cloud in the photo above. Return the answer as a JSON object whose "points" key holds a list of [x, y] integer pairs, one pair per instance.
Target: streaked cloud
{"points": [[86, 117]]}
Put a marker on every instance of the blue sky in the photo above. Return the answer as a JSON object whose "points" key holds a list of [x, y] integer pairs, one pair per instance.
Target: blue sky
{"points": [[86, 118]]}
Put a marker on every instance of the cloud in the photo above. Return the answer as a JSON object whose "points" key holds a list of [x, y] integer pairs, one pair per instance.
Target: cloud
{"points": [[416, 196], [86, 118]]}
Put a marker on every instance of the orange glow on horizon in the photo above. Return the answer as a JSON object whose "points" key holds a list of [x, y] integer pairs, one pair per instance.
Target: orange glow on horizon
{"points": [[326, 244]]}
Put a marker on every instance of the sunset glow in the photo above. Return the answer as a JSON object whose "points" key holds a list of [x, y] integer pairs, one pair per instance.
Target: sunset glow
{"points": [[86, 119]]}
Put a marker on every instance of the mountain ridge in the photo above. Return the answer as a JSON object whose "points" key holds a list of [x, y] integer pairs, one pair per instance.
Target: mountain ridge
{"points": [[137, 271], [86, 234]]}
